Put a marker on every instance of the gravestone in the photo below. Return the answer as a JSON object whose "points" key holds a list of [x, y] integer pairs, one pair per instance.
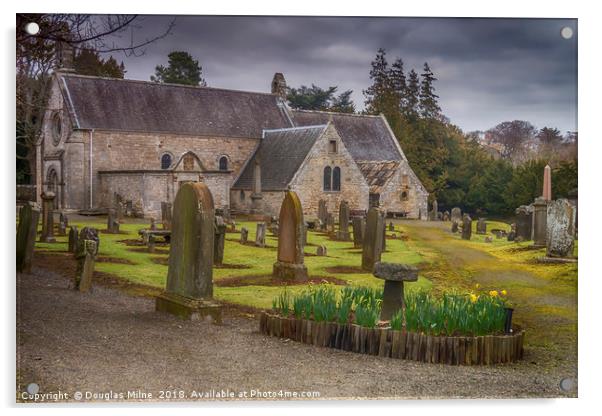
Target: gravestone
{"points": [[524, 222], [433, 212], [112, 222], [343, 233], [456, 214], [394, 276], [189, 290], [322, 211], [64, 219], [118, 205], [166, 215], [62, 229], [539, 228], [466, 227], [454, 227], [489, 239], [260, 234], [391, 226], [29, 215], [89, 233], [373, 239], [129, 208], [446, 216], [561, 229], [153, 224], [481, 226], [274, 229], [330, 223], [47, 218], [547, 184], [73, 238], [85, 256], [305, 235], [151, 243], [511, 234], [321, 250], [290, 265], [244, 235], [219, 241], [358, 224]]}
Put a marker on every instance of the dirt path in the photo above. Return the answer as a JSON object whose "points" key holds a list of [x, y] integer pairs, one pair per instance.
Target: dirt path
{"points": [[109, 343]]}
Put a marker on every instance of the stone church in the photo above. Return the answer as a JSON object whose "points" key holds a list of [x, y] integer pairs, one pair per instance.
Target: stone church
{"points": [[105, 138]]}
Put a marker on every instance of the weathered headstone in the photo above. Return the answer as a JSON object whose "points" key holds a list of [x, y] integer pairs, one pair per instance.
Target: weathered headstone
{"points": [[85, 256], [391, 226], [466, 227], [274, 229], [219, 241], [62, 230], [511, 234], [358, 224], [29, 215], [456, 214], [539, 229], [48, 218], [561, 229], [433, 212], [321, 250], [394, 276], [343, 233], [89, 233], [73, 238], [244, 235], [290, 264], [151, 243], [373, 239], [454, 227], [489, 239], [446, 216], [166, 215], [118, 205], [322, 211], [112, 222], [330, 223], [260, 234], [189, 290], [129, 208], [481, 226], [547, 183], [524, 222], [153, 224]]}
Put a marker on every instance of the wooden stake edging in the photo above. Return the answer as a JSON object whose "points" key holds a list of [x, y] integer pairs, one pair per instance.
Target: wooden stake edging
{"points": [[386, 342]]}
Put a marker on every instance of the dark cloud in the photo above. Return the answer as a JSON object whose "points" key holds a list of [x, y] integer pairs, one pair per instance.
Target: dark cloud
{"points": [[489, 70]]}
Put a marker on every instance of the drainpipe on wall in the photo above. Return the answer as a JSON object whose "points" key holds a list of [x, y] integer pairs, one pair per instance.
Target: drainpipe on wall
{"points": [[90, 165]]}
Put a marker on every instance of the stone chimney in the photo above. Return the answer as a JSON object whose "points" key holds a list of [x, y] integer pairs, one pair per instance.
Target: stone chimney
{"points": [[279, 85]]}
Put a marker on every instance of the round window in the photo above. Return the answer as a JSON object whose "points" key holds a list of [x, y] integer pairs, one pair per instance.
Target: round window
{"points": [[57, 128]]}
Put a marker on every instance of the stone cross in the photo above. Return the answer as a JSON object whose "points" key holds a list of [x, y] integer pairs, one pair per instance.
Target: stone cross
{"points": [[29, 215], [539, 227], [244, 235], [219, 241], [561, 229], [48, 218], [343, 233], [260, 234], [524, 222], [481, 226], [373, 239], [394, 275], [189, 290], [85, 256], [73, 238], [456, 214], [358, 223], [547, 183], [290, 263], [166, 215], [466, 227]]}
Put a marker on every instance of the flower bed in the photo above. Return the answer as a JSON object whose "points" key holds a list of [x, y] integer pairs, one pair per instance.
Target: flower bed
{"points": [[458, 329]]}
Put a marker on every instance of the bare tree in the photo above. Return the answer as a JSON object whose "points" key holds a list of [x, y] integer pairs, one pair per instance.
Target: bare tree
{"points": [[37, 56], [516, 139]]}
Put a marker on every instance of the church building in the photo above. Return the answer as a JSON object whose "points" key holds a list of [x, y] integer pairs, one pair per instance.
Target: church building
{"points": [[105, 138]]}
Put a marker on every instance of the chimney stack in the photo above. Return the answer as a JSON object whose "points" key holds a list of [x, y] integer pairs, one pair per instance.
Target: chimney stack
{"points": [[279, 85]]}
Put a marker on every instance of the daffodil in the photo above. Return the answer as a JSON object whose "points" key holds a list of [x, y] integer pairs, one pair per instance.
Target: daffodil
{"points": [[473, 297], [493, 293], [477, 286], [504, 293]]}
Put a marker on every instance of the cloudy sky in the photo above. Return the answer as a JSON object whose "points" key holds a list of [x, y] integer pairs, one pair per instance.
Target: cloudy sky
{"points": [[488, 70]]}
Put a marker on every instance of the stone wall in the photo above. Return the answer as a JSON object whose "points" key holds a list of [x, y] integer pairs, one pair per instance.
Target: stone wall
{"points": [[413, 202]]}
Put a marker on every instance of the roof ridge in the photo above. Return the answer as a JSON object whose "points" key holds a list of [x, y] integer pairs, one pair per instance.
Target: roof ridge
{"points": [[167, 84], [336, 113], [315, 126]]}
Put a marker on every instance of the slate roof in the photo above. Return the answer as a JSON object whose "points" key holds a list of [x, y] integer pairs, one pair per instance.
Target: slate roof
{"points": [[129, 105], [280, 154], [377, 173], [365, 137]]}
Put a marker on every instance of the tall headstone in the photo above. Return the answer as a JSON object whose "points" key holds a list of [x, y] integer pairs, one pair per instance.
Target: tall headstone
{"points": [[260, 234], [112, 221], [524, 222], [189, 290], [89, 233], [73, 238], [539, 228], [434, 211], [166, 215], [48, 218], [290, 264], [118, 205], [322, 211], [85, 256], [512, 233], [343, 233], [219, 241], [330, 223], [373, 239], [456, 214], [466, 227], [29, 215], [481, 226], [151, 243], [358, 223], [547, 183], [244, 235], [153, 224], [454, 227], [561, 229], [446, 216]]}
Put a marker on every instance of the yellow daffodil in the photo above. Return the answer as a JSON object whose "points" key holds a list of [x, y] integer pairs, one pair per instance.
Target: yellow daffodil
{"points": [[473, 297], [477, 286], [504, 293], [493, 293]]}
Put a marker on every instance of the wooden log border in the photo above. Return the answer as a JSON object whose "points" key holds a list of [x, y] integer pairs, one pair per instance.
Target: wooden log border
{"points": [[386, 342]]}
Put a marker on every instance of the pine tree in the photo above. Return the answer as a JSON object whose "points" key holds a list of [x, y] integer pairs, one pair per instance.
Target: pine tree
{"points": [[412, 98], [429, 108], [380, 95], [398, 80], [181, 69], [89, 62]]}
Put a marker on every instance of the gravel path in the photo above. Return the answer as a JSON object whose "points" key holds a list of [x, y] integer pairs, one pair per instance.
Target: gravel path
{"points": [[109, 343]]}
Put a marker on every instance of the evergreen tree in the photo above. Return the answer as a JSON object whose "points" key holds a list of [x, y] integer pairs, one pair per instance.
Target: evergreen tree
{"points": [[429, 107], [343, 103], [181, 69], [398, 80], [316, 98], [380, 96], [89, 62], [412, 98]]}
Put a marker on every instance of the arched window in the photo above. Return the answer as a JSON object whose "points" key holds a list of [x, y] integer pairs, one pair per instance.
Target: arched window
{"points": [[223, 163], [242, 195], [166, 161], [336, 179], [57, 128], [327, 178]]}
